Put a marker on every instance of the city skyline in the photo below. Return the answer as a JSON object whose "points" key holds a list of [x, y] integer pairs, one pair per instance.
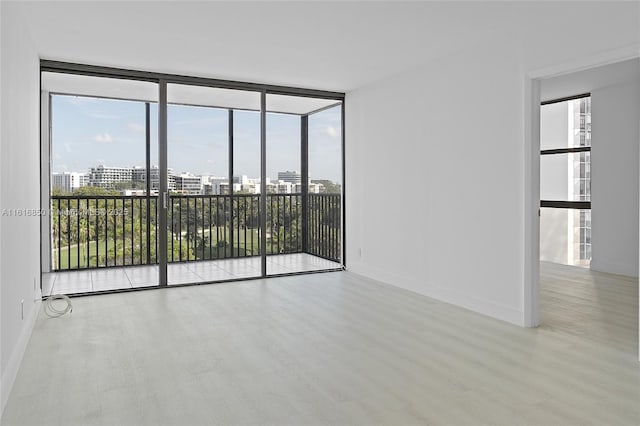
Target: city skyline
{"points": [[90, 131], [186, 172], [133, 181]]}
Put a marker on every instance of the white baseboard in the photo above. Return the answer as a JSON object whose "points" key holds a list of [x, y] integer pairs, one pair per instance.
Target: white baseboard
{"points": [[10, 373], [443, 294]]}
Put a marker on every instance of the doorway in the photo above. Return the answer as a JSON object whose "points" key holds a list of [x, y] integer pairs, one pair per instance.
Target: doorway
{"points": [[606, 283]]}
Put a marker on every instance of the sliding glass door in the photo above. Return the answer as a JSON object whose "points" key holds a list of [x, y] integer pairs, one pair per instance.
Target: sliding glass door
{"points": [[101, 233], [213, 220]]}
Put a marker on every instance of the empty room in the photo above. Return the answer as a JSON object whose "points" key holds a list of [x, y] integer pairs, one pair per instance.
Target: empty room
{"points": [[319, 213]]}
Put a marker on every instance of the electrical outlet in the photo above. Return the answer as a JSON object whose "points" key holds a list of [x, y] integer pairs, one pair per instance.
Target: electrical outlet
{"points": [[22, 308]]}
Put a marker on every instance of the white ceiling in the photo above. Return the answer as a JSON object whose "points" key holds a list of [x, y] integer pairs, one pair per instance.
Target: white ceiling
{"points": [[325, 45]]}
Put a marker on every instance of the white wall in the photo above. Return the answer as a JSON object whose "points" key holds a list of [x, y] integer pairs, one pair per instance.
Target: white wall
{"points": [[19, 189], [614, 178], [455, 127]]}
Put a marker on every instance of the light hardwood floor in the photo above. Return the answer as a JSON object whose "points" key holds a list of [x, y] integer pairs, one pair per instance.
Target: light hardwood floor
{"points": [[333, 348]]}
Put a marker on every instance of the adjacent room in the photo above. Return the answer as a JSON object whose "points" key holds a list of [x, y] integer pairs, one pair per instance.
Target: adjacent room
{"points": [[319, 213], [589, 208]]}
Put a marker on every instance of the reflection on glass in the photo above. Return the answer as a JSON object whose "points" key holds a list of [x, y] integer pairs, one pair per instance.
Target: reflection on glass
{"points": [[565, 236], [566, 124], [565, 177]]}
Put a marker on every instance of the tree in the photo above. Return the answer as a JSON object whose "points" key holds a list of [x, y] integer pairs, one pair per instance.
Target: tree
{"points": [[328, 187], [93, 191]]}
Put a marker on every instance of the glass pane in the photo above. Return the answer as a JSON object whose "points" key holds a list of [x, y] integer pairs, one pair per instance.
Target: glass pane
{"points": [[300, 239], [210, 225], [246, 185], [103, 225], [565, 236], [565, 177], [325, 187], [284, 193], [565, 124]]}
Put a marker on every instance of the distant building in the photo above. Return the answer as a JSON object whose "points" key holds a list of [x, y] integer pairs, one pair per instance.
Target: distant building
{"points": [[314, 188], [139, 175], [69, 181], [188, 184], [107, 177], [283, 187], [288, 182], [212, 185], [291, 177], [133, 192]]}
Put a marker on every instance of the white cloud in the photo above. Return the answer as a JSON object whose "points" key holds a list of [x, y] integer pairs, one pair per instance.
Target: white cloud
{"points": [[103, 138], [135, 127], [332, 131]]}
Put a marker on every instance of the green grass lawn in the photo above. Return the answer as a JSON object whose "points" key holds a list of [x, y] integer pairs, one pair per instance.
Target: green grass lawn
{"points": [[71, 259], [69, 255]]}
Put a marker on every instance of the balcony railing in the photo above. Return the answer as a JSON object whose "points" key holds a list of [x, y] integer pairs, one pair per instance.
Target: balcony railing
{"points": [[110, 230]]}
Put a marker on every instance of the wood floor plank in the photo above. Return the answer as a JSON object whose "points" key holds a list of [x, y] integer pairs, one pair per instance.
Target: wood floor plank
{"points": [[333, 349]]}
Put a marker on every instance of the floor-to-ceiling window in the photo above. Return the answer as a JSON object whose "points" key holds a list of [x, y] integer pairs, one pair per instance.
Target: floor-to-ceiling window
{"points": [[102, 138], [166, 180], [565, 181], [304, 184]]}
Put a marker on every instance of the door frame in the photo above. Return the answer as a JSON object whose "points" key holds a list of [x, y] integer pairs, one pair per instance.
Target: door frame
{"points": [[532, 98]]}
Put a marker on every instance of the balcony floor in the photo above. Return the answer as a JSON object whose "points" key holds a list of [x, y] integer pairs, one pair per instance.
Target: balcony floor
{"points": [[126, 277]]}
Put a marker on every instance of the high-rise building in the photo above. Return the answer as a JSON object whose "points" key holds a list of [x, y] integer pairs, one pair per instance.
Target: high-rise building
{"points": [[107, 177], [139, 175], [69, 181], [582, 172], [290, 176], [186, 183]]}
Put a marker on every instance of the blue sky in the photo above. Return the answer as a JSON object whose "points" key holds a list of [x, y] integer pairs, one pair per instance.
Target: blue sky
{"points": [[89, 131]]}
